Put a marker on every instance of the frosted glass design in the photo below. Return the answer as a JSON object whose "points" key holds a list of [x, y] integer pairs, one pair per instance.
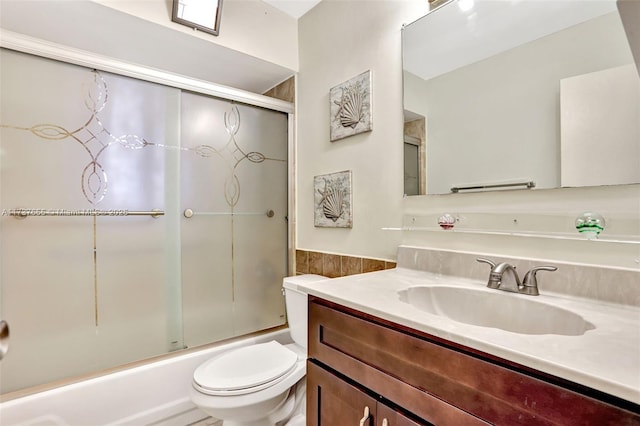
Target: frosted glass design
{"points": [[90, 292], [259, 240], [233, 254], [83, 293]]}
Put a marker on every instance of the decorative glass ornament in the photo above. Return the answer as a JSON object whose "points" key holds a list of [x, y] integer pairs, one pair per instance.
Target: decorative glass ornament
{"points": [[590, 224]]}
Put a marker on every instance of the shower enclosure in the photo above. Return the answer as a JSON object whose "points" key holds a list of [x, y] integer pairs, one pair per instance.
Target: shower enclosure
{"points": [[138, 218]]}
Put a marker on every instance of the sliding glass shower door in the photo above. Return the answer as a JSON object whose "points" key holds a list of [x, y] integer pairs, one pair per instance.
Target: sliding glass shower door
{"points": [[235, 226], [137, 219]]}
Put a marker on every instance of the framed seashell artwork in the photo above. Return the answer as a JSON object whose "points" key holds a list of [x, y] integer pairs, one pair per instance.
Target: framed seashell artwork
{"points": [[332, 198], [350, 107]]}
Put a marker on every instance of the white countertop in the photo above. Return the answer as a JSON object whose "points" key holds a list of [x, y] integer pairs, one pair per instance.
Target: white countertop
{"points": [[606, 358]]}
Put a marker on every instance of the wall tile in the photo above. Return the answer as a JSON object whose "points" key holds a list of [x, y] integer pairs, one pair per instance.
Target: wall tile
{"points": [[331, 265], [284, 91], [351, 265], [370, 265], [302, 262], [315, 263]]}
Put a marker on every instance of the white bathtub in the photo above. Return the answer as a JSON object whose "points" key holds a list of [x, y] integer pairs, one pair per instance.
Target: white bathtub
{"points": [[155, 393]]}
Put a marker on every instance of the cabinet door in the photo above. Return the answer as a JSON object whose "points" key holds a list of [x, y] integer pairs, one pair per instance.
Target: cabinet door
{"points": [[332, 401], [386, 416]]}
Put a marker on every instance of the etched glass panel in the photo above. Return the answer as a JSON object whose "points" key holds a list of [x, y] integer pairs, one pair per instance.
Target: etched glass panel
{"points": [[234, 171], [83, 292], [89, 279], [261, 235], [206, 236]]}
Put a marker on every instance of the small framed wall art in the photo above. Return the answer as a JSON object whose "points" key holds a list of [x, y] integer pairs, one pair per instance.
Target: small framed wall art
{"points": [[333, 200], [351, 107]]}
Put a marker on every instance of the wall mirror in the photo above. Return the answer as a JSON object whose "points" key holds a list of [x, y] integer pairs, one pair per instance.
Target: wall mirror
{"points": [[201, 15], [538, 93]]}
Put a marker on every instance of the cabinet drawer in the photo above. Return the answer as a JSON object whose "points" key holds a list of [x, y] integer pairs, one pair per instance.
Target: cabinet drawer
{"points": [[428, 378]]}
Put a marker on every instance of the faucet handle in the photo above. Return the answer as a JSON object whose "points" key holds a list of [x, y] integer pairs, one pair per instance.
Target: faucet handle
{"points": [[487, 261], [494, 282], [530, 281]]}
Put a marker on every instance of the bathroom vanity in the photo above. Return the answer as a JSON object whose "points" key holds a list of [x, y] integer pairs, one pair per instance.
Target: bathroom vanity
{"points": [[375, 360], [359, 362]]}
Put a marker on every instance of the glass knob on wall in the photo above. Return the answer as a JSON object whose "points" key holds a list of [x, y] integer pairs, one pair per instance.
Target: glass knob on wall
{"points": [[590, 224], [446, 221]]}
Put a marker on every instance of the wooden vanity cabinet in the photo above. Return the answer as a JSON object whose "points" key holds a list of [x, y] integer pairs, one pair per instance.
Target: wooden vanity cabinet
{"points": [[411, 378]]}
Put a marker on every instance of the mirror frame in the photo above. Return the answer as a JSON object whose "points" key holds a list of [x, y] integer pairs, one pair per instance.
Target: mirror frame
{"points": [[215, 30]]}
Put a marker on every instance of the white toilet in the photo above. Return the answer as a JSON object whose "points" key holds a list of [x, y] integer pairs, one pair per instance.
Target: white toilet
{"points": [[261, 384]]}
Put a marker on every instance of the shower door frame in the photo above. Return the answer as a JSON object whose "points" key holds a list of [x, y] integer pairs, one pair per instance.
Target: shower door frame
{"points": [[45, 49]]}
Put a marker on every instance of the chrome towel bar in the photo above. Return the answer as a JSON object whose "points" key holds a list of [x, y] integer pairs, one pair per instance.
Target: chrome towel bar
{"points": [[528, 184]]}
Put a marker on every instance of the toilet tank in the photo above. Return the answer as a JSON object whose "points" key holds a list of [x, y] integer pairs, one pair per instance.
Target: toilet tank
{"points": [[296, 305]]}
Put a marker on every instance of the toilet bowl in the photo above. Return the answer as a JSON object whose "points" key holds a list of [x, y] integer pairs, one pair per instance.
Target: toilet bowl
{"points": [[261, 384]]}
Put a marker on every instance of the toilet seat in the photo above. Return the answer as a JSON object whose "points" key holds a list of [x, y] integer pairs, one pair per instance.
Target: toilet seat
{"points": [[245, 370]]}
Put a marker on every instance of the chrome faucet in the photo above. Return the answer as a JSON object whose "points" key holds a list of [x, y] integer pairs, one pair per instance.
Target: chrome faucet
{"points": [[503, 276]]}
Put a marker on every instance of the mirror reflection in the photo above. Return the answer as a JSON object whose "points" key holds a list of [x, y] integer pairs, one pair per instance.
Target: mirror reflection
{"points": [[202, 15], [520, 92]]}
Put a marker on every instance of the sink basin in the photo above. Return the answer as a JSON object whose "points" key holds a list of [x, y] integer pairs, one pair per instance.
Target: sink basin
{"points": [[496, 309]]}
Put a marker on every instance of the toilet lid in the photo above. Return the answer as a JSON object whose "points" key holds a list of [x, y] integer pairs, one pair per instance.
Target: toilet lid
{"points": [[244, 369]]}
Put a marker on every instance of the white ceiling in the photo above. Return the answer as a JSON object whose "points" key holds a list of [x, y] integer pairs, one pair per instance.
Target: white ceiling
{"points": [[295, 8]]}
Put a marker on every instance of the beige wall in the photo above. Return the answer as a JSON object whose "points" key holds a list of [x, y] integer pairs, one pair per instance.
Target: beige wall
{"points": [[340, 39]]}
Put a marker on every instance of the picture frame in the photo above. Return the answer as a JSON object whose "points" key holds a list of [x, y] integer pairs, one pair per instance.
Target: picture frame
{"points": [[333, 200], [350, 107]]}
